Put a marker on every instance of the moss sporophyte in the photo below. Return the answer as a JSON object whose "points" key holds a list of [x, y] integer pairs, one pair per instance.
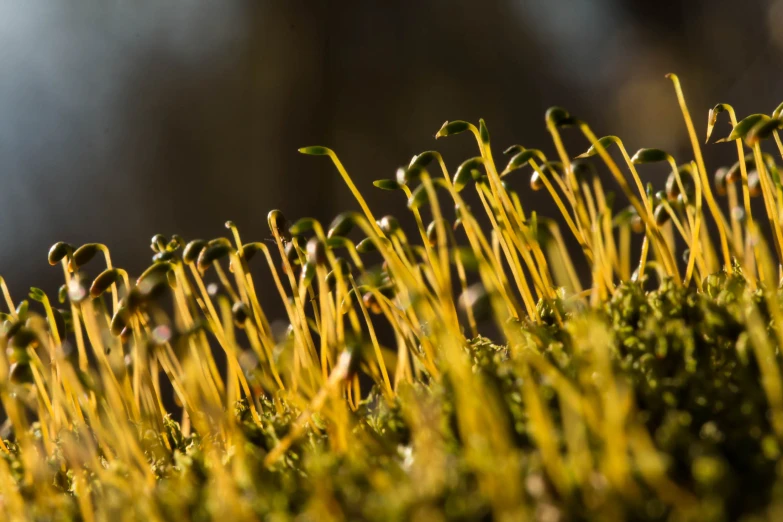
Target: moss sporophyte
{"points": [[647, 387]]}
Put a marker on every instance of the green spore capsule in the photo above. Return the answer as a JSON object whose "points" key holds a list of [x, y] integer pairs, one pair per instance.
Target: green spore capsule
{"points": [[643, 156], [449, 128], [536, 182], [418, 197], [387, 184], [164, 256], [366, 246], [307, 274], [120, 320], [240, 312], [104, 280], [58, 251], [158, 243], [20, 373], [316, 252], [249, 250], [721, 182], [341, 225], [559, 117], [278, 224], [464, 172], [661, 215], [212, 253], [84, 255], [423, 159], [389, 225], [743, 127], [754, 184], [302, 226], [193, 250]]}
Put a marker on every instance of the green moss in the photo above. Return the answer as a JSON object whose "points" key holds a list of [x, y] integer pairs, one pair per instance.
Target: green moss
{"points": [[649, 391]]}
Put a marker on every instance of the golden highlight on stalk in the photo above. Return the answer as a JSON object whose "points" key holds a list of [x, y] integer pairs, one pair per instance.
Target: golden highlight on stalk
{"points": [[181, 400]]}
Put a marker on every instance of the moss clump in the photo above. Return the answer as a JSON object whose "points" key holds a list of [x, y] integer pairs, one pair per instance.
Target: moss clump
{"points": [[447, 372]]}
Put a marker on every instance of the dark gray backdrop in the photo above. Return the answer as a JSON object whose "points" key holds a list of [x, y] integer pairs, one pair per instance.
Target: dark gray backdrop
{"points": [[122, 119]]}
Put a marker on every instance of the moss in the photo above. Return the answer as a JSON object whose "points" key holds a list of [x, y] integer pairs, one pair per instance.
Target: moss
{"points": [[444, 373]]}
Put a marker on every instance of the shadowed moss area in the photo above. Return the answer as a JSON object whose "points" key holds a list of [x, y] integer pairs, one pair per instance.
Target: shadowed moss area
{"points": [[463, 369]]}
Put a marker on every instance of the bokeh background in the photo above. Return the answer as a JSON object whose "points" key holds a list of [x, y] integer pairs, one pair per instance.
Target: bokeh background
{"points": [[119, 120]]}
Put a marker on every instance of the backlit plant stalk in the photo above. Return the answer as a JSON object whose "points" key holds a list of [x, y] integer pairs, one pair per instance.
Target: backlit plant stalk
{"points": [[383, 399]]}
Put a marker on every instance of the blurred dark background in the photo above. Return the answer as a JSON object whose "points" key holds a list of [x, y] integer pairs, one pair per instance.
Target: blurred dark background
{"points": [[119, 120]]}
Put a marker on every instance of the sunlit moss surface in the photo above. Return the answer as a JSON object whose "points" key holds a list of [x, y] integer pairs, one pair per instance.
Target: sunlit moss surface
{"points": [[467, 368]]}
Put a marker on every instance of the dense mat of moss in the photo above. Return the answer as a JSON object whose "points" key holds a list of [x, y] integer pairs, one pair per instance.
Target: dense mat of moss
{"points": [[682, 354], [449, 372]]}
